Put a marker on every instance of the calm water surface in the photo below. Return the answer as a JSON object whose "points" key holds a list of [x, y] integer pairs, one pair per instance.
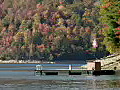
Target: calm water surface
{"points": [[22, 77]]}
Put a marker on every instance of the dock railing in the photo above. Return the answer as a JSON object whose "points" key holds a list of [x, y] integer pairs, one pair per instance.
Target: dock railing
{"points": [[60, 67]]}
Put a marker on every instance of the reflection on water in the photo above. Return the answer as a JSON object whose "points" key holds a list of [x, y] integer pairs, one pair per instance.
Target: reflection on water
{"points": [[59, 85], [26, 80]]}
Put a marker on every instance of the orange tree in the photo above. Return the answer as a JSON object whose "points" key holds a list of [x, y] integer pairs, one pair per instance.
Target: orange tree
{"points": [[110, 18]]}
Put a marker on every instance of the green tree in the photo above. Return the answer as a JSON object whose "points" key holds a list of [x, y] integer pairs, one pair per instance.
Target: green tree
{"points": [[110, 18]]}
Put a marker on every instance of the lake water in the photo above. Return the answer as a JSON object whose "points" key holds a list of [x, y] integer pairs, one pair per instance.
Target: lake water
{"points": [[22, 77]]}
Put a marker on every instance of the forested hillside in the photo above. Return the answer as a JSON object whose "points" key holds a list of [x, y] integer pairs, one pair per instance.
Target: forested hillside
{"points": [[47, 29]]}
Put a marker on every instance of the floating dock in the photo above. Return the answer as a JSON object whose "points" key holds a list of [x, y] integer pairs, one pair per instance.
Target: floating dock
{"points": [[59, 69], [69, 70]]}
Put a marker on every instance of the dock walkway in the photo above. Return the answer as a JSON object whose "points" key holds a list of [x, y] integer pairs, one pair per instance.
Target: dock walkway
{"points": [[69, 69], [61, 69]]}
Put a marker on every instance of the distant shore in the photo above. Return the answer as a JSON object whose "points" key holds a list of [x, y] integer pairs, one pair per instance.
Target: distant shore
{"points": [[40, 62], [24, 62]]}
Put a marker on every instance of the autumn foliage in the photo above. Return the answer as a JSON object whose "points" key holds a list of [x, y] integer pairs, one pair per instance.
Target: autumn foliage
{"points": [[41, 29]]}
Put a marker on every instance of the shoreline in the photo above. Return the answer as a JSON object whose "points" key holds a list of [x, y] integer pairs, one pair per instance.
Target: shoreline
{"points": [[39, 62], [24, 62]]}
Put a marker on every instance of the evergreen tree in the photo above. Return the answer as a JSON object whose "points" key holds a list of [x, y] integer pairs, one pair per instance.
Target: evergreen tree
{"points": [[110, 18]]}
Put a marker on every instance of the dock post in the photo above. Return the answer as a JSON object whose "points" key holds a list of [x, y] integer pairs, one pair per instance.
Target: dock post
{"points": [[97, 70], [39, 68], [40, 72], [70, 67], [97, 66]]}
